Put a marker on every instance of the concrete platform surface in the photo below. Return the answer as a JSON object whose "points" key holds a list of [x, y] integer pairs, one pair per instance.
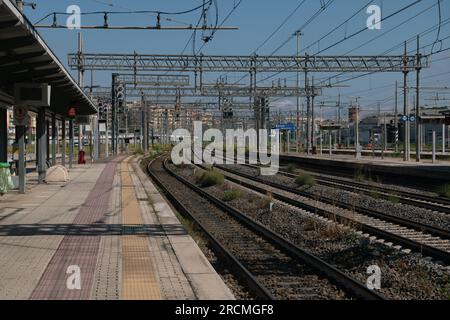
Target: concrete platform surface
{"points": [[369, 159], [390, 166], [106, 234]]}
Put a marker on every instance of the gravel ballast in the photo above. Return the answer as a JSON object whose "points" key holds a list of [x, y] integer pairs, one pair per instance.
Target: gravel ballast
{"points": [[404, 276]]}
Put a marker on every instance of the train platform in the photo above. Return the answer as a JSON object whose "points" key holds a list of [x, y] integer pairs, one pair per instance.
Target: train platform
{"points": [[385, 166], [388, 155], [107, 234]]}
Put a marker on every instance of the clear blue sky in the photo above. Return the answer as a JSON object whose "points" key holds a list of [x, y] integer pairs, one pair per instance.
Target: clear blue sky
{"points": [[256, 20]]}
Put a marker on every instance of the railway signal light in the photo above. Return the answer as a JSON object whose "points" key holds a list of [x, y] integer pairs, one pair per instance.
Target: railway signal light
{"points": [[392, 133], [120, 93], [228, 112], [101, 110], [266, 105]]}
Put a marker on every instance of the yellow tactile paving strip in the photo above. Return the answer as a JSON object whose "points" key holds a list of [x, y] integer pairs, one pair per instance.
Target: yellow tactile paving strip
{"points": [[139, 281]]}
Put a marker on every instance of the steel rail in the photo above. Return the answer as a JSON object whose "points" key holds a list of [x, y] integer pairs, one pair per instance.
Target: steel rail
{"points": [[352, 285], [427, 202], [253, 284], [405, 242], [439, 232]]}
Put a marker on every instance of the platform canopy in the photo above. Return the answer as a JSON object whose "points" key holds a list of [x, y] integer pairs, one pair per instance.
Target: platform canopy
{"points": [[26, 58]]}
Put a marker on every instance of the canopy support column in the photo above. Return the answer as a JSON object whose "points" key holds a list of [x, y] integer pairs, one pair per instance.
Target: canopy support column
{"points": [[42, 145]]}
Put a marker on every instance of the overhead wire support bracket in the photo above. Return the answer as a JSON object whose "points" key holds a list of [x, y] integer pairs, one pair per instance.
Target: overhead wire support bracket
{"points": [[108, 27]]}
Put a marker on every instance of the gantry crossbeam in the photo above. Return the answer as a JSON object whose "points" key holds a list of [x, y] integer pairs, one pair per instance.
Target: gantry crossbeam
{"points": [[191, 63], [154, 79], [209, 91]]}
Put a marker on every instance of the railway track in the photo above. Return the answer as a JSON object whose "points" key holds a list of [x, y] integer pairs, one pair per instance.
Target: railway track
{"points": [[425, 239], [272, 267], [337, 183], [435, 204], [423, 184]]}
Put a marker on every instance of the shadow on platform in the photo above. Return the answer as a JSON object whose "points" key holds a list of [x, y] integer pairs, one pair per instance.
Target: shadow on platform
{"points": [[21, 230]]}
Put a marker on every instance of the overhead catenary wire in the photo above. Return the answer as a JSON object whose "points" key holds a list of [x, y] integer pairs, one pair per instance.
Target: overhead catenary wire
{"points": [[235, 6], [427, 31], [336, 28], [291, 14], [127, 12], [372, 72], [194, 33], [413, 38], [346, 38], [113, 5], [324, 6]]}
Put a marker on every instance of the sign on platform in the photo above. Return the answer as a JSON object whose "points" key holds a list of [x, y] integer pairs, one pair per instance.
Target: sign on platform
{"points": [[20, 116], [285, 126], [102, 126], [406, 118]]}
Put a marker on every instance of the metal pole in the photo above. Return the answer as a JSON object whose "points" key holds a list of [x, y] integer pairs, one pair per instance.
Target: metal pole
{"points": [[47, 141], [339, 121], [80, 137], [405, 107], [385, 133], [302, 125], [417, 125], [357, 149], [448, 137], [54, 133], [107, 133], [80, 61], [329, 138], [97, 137], [141, 131], [434, 147], [118, 124], [4, 135], [22, 173], [313, 118], [321, 142], [63, 142], [58, 141], [443, 138], [113, 114], [288, 133], [321, 131], [126, 131], [70, 143], [80, 83], [144, 123], [42, 142], [334, 140], [308, 116], [396, 116], [297, 133]]}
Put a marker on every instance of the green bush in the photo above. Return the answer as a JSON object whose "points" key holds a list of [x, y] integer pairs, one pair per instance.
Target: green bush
{"points": [[305, 179], [359, 175], [291, 167], [210, 178], [393, 199], [267, 200], [231, 195], [444, 191]]}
